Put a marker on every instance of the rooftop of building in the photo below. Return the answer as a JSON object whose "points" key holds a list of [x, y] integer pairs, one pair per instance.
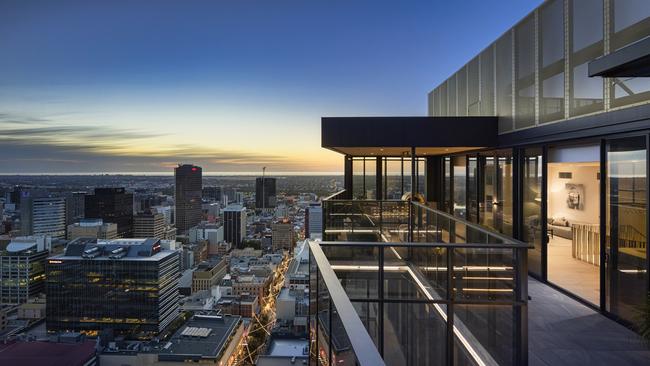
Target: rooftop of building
{"points": [[148, 249], [47, 353], [203, 336], [234, 207], [268, 360], [289, 347]]}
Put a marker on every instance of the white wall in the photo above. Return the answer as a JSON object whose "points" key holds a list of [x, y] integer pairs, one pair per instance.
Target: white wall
{"points": [[557, 194]]}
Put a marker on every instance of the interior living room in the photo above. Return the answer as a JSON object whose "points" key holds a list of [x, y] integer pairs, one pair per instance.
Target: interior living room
{"points": [[573, 220]]}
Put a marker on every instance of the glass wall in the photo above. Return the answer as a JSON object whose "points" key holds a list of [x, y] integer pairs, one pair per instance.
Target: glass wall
{"points": [[532, 232], [551, 63], [448, 185], [586, 44], [627, 217], [525, 73], [460, 184], [487, 190], [472, 188], [364, 185], [503, 215]]}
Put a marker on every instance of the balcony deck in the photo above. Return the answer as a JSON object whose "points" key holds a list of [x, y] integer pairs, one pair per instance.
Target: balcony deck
{"points": [[562, 331]]}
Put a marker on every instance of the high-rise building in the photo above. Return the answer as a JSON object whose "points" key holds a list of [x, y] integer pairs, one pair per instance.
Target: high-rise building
{"points": [[313, 221], [43, 216], [22, 268], [74, 207], [265, 196], [282, 235], [113, 205], [149, 224], [92, 228], [234, 223], [127, 286], [189, 182]]}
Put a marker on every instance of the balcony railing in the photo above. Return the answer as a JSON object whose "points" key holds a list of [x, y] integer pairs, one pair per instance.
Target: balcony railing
{"points": [[429, 288]]}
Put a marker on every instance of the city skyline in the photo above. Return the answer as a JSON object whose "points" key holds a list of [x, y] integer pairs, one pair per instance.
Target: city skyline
{"points": [[232, 88]]}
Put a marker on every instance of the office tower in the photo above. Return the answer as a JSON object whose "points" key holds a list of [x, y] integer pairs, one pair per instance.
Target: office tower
{"points": [[74, 207], [313, 221], [127, 286], [22, 268], [113, 205], [43, 216], [189, 180], [149, 224], [92, 228], [282, 235], [265, 192], [234, 223], [212, 193]]}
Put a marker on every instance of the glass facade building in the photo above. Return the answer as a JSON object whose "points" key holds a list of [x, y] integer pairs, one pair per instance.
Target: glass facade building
{"points": [[128, 287], [539, 144]]}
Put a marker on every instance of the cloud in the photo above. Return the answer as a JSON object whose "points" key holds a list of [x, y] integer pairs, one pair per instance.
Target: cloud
{"points": [[46, 144]]}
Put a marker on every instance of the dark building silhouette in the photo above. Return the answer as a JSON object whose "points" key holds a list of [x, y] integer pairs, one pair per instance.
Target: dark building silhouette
{"points": [[234, 224], [212, 193], [113, 205], [189, 182], [265, 192]]}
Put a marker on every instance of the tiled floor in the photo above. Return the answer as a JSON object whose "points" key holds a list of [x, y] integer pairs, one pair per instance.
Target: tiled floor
{"points": [[564, 332], [576, 276]]}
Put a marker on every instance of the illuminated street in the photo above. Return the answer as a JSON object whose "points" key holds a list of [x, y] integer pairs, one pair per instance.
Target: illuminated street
{"points": [[260, 328]]}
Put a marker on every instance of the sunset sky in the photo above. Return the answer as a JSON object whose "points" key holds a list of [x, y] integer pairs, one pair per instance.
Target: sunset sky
{"points": [[139, 86]]}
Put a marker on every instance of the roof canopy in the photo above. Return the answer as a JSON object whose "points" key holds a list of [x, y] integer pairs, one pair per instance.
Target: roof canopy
{"points": [[395, 136], [629, 61]]}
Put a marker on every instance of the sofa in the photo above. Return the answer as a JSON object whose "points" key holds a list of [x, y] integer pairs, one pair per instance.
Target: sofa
{"points": [[561, 227]]}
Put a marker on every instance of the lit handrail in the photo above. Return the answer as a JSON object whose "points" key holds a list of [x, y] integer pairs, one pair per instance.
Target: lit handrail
{"points": [[364, 348], [474, 226]]}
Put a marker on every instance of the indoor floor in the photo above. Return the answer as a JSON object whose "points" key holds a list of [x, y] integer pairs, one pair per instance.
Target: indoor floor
{"points": [[576, 276]]}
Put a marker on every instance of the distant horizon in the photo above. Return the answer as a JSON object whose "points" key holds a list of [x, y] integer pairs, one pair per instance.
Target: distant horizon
{"points": [[162, 174]]}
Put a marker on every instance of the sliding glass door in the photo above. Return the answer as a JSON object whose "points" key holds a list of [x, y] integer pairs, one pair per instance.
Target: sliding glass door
{"points": [[626, 227]]}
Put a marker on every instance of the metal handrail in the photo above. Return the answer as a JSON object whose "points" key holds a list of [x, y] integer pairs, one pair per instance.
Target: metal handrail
{"points": [[514, 245], [473, 225], [364, 348], [331, 197]]}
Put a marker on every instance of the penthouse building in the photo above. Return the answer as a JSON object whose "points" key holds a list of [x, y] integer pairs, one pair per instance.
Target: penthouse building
{"points": [[125, 286], [537, 149]]}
